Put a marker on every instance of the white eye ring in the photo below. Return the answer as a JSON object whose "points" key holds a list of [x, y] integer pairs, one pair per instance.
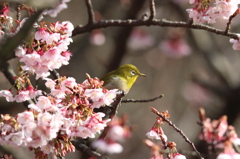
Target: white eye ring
{"points": [[133, 72]]}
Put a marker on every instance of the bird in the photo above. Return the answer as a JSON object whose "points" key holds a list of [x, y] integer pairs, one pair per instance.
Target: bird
{"points": [[122, 78]]}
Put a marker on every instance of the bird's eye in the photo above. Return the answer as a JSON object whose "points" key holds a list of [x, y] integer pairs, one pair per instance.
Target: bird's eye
{"points": [[133, 72]]}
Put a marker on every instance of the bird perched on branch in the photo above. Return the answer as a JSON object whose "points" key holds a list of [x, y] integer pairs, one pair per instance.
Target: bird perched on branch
{"points": [[122, 78]]}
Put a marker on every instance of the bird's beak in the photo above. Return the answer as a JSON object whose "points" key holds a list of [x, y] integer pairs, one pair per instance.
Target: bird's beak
{"points": [[141, 74]]}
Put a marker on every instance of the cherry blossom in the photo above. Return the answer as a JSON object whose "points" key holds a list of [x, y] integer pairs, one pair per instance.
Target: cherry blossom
{"points": [[53, 118], [236, 43], [203, 12], [7, 94], [153, 135], [53, 52]]}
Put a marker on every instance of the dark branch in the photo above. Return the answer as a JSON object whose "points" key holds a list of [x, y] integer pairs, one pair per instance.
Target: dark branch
{"points": [[141, 100], [152, 10], [178, 130], [91, 17], [155, 22], [230, 20], [116, 104]]}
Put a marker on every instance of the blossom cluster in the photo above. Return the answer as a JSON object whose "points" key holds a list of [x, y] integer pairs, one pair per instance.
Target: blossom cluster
{"points": [[157, 133], [25, 91], [48, 50], [203, 12], [7, 27], [117, 131], [66, 112], [221, 134]]}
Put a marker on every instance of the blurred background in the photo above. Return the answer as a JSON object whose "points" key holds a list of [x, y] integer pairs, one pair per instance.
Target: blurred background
{"points": [[192, 68]]}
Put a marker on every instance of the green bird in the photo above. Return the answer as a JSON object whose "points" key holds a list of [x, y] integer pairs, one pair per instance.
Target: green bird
{"points": [[122, 78]]}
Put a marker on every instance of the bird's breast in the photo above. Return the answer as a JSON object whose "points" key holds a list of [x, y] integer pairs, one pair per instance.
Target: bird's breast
{"points": [[117, 83]]}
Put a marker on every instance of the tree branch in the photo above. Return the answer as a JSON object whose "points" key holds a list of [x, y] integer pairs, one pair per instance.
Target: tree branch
{"points": [[152, 10], [177, 130], [230, 20], [155, 22], [141, 100], [91, 17]]}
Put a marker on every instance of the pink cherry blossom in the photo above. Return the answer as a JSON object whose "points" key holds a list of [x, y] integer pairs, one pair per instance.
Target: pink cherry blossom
{"points": [[236, 43], [52, 54], [110, 96], [25, 117], [204, 12], [53, 120], [5, 128], [95, 122], [7, 94], [41, 34], [94, 94], [15, 138], [22, 96], [67, 27], [50, 83], [44, 103], [47, 149], [53, 37], [83, 132], [28, 130], [153, 135], [20, 52]]}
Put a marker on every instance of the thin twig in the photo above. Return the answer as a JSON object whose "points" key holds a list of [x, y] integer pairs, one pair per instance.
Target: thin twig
{"points": [[152, 9], [230, 19], [155, 22], [178, 130], [91, 17], [142, 100]]}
